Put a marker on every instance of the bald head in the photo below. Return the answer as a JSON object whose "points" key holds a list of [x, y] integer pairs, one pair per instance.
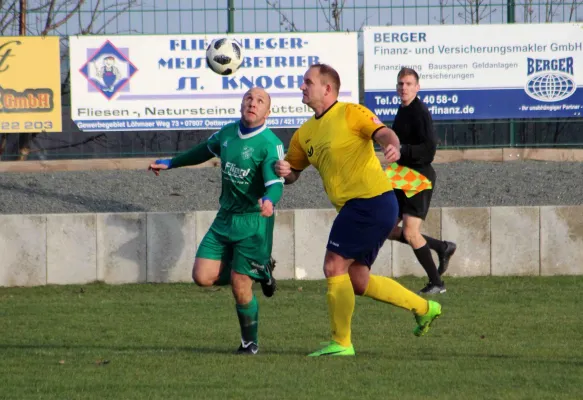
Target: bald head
{"points": [[260, 92], [255, 107]]}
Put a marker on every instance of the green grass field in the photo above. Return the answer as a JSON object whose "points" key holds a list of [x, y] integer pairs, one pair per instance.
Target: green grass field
{"points": [[498, 338]]}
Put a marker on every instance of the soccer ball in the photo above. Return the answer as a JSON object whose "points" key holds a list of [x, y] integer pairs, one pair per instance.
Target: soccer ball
{"points": [[224, 56]]}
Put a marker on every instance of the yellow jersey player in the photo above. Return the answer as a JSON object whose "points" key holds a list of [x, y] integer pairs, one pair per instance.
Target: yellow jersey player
{"points": [[338, 142]]}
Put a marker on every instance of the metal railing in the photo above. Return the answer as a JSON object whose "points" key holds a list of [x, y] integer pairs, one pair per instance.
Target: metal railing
{"points": [[102, 17]]}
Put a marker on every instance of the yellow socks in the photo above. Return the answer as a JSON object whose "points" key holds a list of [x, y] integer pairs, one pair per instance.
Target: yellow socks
{"points": [[340, 308], [387, 290]]}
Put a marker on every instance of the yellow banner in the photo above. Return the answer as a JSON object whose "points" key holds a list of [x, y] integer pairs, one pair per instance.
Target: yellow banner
{"points": [[30, 84]]}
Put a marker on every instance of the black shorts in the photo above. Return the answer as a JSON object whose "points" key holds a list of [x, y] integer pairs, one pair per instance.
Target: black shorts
{"points": [[416, 206]]}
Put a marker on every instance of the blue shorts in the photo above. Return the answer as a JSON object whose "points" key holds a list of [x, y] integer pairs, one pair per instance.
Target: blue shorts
{"points": [[362, 226]]}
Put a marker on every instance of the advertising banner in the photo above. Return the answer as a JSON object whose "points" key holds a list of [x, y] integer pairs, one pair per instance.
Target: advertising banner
{"points": [[30, 84], [478, 71], [162, 82]]}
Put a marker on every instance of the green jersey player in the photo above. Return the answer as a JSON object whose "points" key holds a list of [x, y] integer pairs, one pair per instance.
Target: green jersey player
{"points": [[239, 241]]}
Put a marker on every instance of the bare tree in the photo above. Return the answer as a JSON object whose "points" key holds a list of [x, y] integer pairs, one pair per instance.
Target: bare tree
{"points": [[575, 4], [331, 9], [49, 16], [442, 16], [475, 11], [7, 15], [333, 13], [564, 11], [528, 11], [284, 21], [552, 9]]}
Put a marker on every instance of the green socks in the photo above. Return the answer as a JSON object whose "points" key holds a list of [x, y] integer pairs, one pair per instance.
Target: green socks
{"points": [[249, 320]]}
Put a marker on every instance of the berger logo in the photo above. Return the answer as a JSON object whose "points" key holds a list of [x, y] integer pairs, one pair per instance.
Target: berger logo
{"points": [[108, 70], [550, 80]]}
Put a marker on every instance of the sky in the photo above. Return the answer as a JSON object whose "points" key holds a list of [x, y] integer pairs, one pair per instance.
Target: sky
{"points": [[211, 16]]}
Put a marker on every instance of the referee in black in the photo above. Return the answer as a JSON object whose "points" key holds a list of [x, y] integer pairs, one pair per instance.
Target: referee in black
{"points": [[414, 126]]}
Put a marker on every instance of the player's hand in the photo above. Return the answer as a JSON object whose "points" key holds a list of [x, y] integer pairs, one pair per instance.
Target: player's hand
{"points": [[266, 207], [282, 168], [392, 154], [156, 167]]}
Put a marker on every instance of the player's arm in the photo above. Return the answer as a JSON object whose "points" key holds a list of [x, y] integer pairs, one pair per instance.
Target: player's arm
{"points": [[197, 155], [273, 183], [368, 126], [296, 160], [424, 152], [386, 137]]}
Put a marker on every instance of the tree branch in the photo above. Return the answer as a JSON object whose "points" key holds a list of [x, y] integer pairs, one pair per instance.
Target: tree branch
{"points": [[291, 27], [573, 8], [50, 16], [64, 20], [10, 12], [128, 5], [478, 11], [326, 16], [94, 14]]}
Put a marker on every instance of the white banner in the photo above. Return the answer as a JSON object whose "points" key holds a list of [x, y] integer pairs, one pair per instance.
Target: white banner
{"points": [[479, 71], [162, 81]]}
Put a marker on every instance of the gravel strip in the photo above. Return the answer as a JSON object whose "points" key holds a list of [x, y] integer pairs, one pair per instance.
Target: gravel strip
{"points": [[461, 184]]}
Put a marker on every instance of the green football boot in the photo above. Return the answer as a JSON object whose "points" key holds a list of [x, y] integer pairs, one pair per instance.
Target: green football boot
{"points": [[425, 321], [334, 349]]}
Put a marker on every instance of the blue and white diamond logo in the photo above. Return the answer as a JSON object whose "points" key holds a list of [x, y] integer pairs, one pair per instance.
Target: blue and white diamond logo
{"points": [[108, 70]]}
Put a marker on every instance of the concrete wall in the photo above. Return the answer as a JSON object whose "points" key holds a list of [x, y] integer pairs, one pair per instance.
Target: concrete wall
{"points": [[160, 247]]}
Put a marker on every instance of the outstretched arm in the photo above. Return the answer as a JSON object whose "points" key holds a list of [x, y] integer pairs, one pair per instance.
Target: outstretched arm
{"points": [[197, 155]]}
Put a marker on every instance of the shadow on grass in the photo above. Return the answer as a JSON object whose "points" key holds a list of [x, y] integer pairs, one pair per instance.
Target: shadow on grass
{"points": [[137, 349], [214, 350]]}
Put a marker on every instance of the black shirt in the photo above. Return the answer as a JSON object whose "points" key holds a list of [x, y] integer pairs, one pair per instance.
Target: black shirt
{"points": [[414, 127]]}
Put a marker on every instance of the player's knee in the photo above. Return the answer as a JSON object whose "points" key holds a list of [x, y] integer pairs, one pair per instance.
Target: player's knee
{"points": [[359, 277], [334, 264], [411, 235], [395, 233], [203, 280], [358, 287], [242, 296], [242, 287]]}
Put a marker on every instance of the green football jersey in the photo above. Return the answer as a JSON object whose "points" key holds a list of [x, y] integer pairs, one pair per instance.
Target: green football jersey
{"points": [[247, 165]]}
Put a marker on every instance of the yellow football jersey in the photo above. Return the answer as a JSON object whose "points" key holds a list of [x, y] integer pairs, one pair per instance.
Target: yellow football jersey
{"points": [[339, 145]]}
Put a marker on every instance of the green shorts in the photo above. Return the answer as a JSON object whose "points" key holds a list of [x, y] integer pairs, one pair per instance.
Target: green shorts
{"points": [[243, 241]]}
